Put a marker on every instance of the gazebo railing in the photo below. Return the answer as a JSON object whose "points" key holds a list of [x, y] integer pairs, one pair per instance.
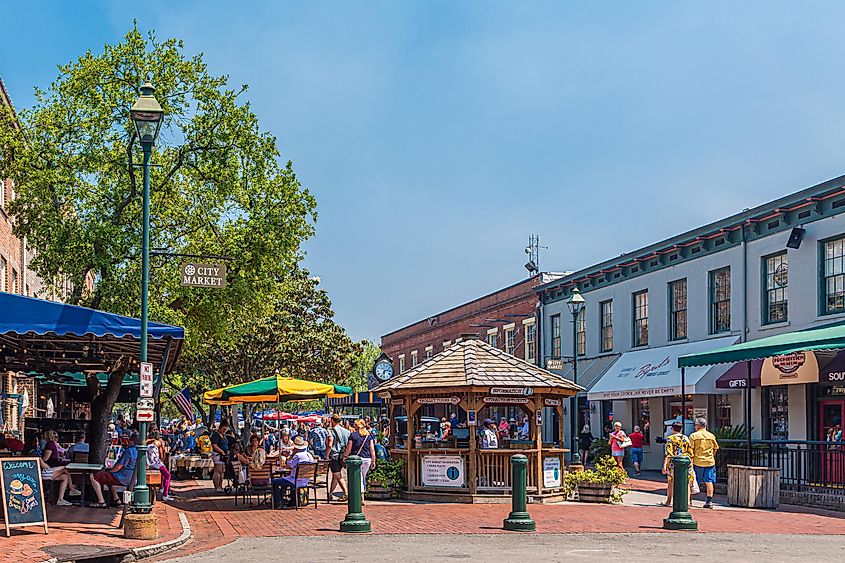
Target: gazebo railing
{"points": [[494, 469]]}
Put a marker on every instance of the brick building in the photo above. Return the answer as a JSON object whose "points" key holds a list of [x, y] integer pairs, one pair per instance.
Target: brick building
{"points": [[506, 318]]}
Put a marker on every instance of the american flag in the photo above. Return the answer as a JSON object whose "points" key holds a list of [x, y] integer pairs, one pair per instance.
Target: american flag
{"points": [[183, 403]]}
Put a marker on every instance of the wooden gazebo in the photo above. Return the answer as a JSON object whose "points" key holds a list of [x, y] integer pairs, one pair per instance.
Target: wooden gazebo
{"points": [[476, 381]]}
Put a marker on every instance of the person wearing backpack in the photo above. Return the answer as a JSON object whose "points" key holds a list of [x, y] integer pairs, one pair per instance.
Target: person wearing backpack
{"points": [[335, 446]]}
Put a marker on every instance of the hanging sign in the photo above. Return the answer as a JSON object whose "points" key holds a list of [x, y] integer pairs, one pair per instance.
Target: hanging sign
{"points": [[443, 471], [439, 400], [506, 400], [398, 402], [551, 472], [552, 402], [384, 395], [554, 364], [518, 391], [788, 369], [203, 275], [22, 493], [145, 388]]}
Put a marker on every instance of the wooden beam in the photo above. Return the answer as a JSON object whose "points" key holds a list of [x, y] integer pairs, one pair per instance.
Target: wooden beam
{"points": [[472, 470]]}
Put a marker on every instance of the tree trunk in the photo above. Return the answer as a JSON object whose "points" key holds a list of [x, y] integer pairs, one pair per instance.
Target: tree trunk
{"points": [[102, 403]]}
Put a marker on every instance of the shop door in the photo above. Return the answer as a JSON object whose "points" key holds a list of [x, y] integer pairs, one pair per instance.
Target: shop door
{"points": [[831, 416]]}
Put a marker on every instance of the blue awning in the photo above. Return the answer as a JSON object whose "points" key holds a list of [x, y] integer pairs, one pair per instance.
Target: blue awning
{"points": [[47, 337]]}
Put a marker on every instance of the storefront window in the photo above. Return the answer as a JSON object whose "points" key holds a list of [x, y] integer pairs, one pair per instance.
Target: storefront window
{"points": [[777, 411], [722, 416], [675, 407], [644, 418]]}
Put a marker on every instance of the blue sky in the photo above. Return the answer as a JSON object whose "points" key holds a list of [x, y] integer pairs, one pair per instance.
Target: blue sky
{"points": [[437, 135]]}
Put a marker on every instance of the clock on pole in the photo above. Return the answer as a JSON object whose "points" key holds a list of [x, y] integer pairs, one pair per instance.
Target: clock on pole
{"points": [[383, 367]]}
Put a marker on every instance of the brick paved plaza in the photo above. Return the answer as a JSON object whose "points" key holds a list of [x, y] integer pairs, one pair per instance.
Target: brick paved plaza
{"points": [[215, 521]]}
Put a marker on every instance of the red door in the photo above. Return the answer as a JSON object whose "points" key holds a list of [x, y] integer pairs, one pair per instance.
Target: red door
{"points": [[831, 416]]}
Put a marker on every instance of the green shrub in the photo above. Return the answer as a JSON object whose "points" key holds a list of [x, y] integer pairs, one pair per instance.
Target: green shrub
{"points": [[388, 473]]}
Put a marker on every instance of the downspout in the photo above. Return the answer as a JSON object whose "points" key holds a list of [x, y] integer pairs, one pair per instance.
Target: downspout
{"points": [[744, 245]]}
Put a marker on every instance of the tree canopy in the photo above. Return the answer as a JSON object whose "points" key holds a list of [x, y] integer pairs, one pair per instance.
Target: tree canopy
{"points": [[219, 187]]}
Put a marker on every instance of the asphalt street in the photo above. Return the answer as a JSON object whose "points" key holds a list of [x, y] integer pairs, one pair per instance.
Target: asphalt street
{"points": [[652, 547]]}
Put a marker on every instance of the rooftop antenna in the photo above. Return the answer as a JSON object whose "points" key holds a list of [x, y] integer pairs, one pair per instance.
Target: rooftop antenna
{"points": [[533, 252]]}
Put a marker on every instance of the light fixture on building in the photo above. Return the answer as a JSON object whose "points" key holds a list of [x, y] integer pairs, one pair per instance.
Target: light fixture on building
{"points": [[795, 237]]}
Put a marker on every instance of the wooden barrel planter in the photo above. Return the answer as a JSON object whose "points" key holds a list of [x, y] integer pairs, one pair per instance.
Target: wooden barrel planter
{"points": [[753, 487], [589, 492], [379, 491]]}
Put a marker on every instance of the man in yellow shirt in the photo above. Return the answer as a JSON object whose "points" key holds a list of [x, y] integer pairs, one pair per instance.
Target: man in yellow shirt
{"points": [[704, 447]]}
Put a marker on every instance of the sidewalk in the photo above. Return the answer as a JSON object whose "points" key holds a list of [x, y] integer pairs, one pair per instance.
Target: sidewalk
{"points": [[215, 520], [75, 530]]}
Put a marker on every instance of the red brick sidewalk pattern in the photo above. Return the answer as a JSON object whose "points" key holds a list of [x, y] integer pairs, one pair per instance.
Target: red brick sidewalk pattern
{"points": [[215, 521], [81, 526]]}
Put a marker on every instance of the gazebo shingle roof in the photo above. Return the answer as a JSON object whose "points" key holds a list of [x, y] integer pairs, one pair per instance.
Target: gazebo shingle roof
{"points": [[474, 363]]}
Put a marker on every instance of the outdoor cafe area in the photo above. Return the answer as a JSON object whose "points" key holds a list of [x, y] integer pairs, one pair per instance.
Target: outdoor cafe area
{"points": [[59, 353], [475, 381]]}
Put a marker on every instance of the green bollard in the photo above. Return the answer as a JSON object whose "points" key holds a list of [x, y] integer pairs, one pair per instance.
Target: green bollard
{"points": [[355, 522], [519, 520], [680, 517]]}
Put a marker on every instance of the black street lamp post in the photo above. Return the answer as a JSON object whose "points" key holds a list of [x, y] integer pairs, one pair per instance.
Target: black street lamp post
{"points": [[575, 302]]}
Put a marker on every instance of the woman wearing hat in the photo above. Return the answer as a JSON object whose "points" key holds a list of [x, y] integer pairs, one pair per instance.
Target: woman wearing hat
{"points": [[282, 484]]}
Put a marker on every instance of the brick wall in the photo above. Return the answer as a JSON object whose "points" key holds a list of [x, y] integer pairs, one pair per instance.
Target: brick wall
{"points": [[511, 305]]}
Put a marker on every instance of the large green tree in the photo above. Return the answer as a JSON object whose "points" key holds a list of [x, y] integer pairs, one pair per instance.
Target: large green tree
{"points": [[217, 188], [292, 333]]}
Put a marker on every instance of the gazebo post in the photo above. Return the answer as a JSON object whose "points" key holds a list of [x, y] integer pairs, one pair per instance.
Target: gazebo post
{"points": [[391, 440], [538, 437], [472, 404], [411, 410], [560, 423]]}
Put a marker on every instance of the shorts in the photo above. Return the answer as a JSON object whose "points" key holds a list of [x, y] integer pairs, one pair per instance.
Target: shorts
{"points": [[217, 459], [336, 465], [636, 455], [619, 453], [107, 478], [705, 474]]}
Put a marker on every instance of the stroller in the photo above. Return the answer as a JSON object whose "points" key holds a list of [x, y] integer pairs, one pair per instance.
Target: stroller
{"points": [[232, 469]]}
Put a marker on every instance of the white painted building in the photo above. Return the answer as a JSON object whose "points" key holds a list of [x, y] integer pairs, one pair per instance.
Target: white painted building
{"points": [[730, 281]]}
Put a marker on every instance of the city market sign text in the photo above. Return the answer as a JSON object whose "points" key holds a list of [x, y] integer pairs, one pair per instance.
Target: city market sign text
{"points": [[203, 275]]}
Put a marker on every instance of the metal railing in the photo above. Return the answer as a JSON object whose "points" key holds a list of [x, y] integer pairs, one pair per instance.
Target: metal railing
{"points": [[805, 466]]}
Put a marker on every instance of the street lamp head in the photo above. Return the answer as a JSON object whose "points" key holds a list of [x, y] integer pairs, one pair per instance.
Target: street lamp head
{"points": [[575, 302], [147, 115]]}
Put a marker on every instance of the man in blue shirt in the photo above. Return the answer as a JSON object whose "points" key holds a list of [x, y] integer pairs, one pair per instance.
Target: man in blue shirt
{"points": [[119, 475], [319, 436]]}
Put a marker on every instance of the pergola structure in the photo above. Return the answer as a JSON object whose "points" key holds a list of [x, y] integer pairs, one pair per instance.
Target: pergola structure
{"points": [[475, 381]]}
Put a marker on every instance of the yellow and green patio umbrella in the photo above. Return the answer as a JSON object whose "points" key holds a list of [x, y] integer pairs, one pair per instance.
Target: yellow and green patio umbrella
{"points": [[274, 389]]}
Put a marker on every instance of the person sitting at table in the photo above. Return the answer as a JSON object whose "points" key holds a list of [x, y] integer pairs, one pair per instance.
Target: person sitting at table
{"points": [[285, 445], [282, 484], [120, 473], [253, 456], [62, 477], [52, 458], [489, 436], [78, 447]]}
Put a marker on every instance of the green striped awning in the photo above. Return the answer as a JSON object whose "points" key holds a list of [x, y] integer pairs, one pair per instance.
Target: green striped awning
{"points": [[828, 338]]}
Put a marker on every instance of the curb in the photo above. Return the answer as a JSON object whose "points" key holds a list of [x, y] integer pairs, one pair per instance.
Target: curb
{"points": [[155, 549]]}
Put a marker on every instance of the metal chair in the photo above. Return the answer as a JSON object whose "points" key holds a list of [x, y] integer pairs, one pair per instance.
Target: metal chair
{"points": [[323, 472]]}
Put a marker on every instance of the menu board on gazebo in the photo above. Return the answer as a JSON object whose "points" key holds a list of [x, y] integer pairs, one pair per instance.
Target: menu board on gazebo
{"points": [[22, 493]]}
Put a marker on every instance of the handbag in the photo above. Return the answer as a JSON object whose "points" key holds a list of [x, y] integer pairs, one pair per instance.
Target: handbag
{"points": [[695, 489], [626, 443]]}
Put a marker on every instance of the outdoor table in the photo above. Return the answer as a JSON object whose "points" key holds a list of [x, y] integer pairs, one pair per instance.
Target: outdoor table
{"points": [[83, 469]]}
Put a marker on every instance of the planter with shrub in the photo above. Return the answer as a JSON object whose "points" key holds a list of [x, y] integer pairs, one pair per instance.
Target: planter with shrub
{"points": [[602, 484], [385, 481]]}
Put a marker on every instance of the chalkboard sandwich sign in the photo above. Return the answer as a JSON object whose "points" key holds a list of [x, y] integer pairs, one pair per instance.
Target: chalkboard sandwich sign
{"points": [[22, 493]]}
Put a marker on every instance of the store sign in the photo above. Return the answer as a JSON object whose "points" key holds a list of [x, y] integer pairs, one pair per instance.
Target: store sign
{"points": [[519, 391], [203, 275], [554, 364], [506, 400], [22, 493], [439, 400], [551, 472], [552, 402], [699, 412], [384, 395], [398, 402], [145, 388], [789, 369], [443, 471]]}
